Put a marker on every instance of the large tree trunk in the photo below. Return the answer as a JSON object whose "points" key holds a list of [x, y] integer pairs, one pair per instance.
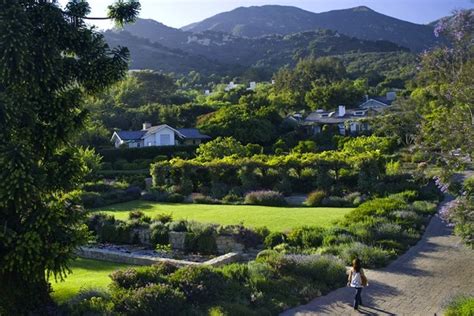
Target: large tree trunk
{"points": [[25, 297]]}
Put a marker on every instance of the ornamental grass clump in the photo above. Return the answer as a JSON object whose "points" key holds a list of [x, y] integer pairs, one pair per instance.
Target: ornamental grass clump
{"points": [[315, 198], [265, 197]]}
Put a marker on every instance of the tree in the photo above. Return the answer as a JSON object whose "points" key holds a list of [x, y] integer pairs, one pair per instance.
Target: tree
{"points": [[49, 59], [300, 80], [328, 96], [445, 93], [401, 121], [221, 147]]}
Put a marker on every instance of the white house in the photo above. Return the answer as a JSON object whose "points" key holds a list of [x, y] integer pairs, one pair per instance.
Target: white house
{"points": [[161, 135], [252, 86], [231, 86]]}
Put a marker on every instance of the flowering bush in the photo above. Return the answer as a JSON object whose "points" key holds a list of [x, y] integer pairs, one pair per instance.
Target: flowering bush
{"points": [[460, 212]]}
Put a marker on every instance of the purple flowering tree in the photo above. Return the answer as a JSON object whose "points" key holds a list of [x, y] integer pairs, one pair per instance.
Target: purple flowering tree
{"points": [[445, 93]]}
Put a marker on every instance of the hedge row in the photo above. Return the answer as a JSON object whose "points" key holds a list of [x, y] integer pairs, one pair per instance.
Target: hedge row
{"points": [[328, 171], [130, 154]]}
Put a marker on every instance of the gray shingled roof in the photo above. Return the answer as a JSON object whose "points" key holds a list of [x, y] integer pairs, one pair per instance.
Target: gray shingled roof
{"points": [[331, 117], [131, 135], [192, 133]]}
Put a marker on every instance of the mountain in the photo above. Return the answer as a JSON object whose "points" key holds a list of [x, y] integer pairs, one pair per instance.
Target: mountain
{"points": [[361, 22], [146, 54], [272, 51]]}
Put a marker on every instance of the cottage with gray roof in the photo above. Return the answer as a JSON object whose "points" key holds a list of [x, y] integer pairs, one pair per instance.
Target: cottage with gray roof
{"points": [[160, 135], [348, 121]]}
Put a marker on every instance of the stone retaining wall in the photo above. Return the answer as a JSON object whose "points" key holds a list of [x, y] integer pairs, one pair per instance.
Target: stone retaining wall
{"points": [[132, 259]]}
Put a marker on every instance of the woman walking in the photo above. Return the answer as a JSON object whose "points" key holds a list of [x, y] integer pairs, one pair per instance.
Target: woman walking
{"points": [[357, 280]]}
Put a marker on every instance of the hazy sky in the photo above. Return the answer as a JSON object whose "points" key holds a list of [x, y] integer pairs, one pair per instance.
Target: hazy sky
{"points": [[178, 13]]}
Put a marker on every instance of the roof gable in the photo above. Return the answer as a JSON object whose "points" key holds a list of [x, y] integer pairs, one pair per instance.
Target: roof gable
{"points": [[155, 129]]}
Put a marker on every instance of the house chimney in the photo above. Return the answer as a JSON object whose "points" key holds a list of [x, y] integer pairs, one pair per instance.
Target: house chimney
{"points": [[392, 95], [366, 97], [146, 126], [341, 111]]}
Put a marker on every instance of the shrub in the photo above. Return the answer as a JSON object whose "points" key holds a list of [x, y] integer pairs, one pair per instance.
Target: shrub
{"points": [[315, 198], [204, 243], [200, 284], [133, 192], [164, 218], [306, 237], [268, 198], [232, 309], [371, 257], [388, 231], [175, 198], [335, 201], [204, 199], [232, 198], [92, 200], [89, 302], [460, 306], [178, 226], [430, 192], [99, 187], [133, 278], [423, 207], [274, 239], [248, 237], [375, 207], [267, 255], [337, 239], [159, 234], [153, 299], [135, 215], [407, 196], [156, 195], [354, 198], [391, 245], [322, 269]]}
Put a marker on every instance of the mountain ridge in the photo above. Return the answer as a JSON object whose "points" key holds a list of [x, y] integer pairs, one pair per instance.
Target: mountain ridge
{"points": [[270, 51], [361, 22]]}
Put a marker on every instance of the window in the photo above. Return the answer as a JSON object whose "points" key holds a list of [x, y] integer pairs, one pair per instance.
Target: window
{"points": [[165, 140]]}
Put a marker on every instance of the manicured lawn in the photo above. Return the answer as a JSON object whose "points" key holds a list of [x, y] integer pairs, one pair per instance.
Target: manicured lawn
{"points": [[86, 274], [275, 218]]}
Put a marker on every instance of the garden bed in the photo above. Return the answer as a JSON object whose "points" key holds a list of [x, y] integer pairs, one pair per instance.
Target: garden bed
{"points": [[137, 255]]}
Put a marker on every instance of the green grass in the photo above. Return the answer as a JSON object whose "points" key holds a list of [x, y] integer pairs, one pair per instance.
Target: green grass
{"points": [[85, 274], [275, 218]]}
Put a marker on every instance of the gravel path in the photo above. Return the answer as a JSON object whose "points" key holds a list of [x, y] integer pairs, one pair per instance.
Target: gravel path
{"points": [[420, 282]]}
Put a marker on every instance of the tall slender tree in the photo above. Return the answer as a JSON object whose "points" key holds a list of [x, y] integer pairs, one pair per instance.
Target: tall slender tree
{"points": [[49, 59]]}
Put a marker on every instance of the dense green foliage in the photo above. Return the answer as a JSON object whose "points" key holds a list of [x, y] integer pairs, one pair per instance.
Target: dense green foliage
{"points": [[49, 59], [460, 306], [266, 286], [356, 167], [375, 232]]}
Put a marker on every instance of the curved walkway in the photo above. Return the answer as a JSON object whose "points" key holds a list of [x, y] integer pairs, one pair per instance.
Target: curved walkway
{"points": [[420, 282]]}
